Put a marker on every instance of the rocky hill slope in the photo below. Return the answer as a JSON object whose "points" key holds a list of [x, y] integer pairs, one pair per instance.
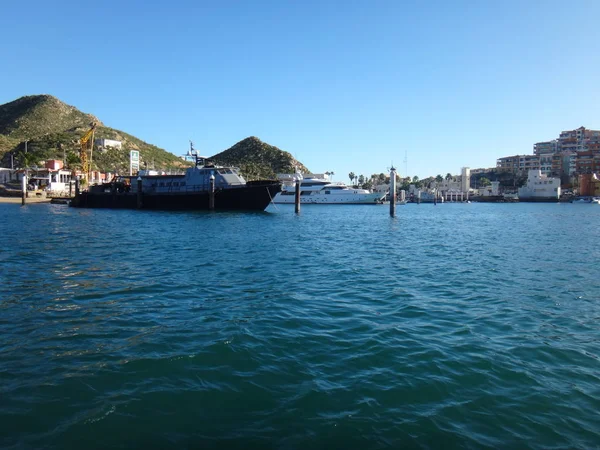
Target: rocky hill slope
{"points": [[50, 129], [258, 160]]}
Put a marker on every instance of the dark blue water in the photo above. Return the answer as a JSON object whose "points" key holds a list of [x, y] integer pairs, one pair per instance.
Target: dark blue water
{"points": [[454, 326]]}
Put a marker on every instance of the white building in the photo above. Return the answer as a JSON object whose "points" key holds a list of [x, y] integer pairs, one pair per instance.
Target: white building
{"points": [[107, 143], [539, 188]]}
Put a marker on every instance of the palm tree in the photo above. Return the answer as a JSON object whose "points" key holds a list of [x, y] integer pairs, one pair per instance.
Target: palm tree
{"points": [[484, 182], [448, 176], [439, 178], [352, 176]]}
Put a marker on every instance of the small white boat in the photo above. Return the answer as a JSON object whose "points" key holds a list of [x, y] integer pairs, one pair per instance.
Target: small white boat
{"points": [[586, 200]]}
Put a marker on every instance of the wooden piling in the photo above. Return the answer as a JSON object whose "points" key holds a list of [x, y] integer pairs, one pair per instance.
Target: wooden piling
{"points": [[139, 192], [211, 193], [392, 192], [77, 187], [297, 196], [24, 190]]}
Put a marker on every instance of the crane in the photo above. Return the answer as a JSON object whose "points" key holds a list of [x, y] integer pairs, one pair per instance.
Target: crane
{"points": [[85, 166]]}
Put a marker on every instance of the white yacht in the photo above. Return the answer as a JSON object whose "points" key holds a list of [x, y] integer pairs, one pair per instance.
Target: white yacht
{"points": [[315, 189]]}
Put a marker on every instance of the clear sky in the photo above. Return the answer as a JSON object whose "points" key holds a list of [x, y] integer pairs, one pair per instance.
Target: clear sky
{"points": [[341, 85]]}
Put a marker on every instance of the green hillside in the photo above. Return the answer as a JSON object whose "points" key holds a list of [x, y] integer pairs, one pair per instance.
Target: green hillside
{"points": [[259, 160], [38, 115], [51, 129]]}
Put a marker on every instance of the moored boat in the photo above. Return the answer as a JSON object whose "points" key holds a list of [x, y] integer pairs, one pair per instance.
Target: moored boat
{"points": [[188, 191], [587, 200], [321, 191]]}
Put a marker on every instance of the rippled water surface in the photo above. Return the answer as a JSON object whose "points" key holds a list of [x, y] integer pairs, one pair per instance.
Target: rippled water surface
{"points": [[454, 326]]}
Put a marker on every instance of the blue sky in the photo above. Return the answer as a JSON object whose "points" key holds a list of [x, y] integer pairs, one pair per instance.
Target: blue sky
{"points": [[341, 85]]}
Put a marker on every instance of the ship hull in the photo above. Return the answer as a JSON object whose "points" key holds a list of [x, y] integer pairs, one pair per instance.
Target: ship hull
{"points": [[254, 196], [538, 199]]}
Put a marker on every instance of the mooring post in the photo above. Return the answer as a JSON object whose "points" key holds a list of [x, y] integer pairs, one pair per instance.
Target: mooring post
{"points": [[211, 193], [139, 192], [24, 189], [392, 192], [297, 196], [435, 197], [419, 197], [70, 189], [77, 187]]}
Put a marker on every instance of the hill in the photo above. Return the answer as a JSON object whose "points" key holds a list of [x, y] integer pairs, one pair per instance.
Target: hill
{"points": [[258, 160], [37, 115], [52, 130]]}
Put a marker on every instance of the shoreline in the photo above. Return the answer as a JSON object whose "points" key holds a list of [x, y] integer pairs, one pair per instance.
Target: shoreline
{"points": [[28, 200]]}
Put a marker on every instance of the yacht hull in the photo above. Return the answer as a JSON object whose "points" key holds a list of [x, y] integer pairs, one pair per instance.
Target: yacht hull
{"points": [[323, 199]]}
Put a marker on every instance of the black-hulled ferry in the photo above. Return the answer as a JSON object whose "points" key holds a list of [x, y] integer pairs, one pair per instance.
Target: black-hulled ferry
{"points": [[188, 191]]}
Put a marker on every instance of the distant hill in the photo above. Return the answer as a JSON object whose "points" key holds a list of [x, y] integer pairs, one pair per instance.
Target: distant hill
{"points": [[52, 130], [259, 160], [38, 115]]}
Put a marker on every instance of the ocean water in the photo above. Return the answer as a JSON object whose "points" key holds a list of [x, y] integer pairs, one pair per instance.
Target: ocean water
{"points": [[448, 326]]}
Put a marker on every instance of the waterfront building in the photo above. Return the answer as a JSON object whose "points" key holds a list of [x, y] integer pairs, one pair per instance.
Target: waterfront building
{"points": [[546, 163], [518, 163], [573, 152], [540, 148], [577, 140], [465, 179], [589, 185], [587, 162], [483, 170], [539, 188]]}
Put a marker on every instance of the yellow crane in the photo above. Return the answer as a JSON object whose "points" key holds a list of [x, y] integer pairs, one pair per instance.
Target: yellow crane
{"points": [[87, 137]]}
